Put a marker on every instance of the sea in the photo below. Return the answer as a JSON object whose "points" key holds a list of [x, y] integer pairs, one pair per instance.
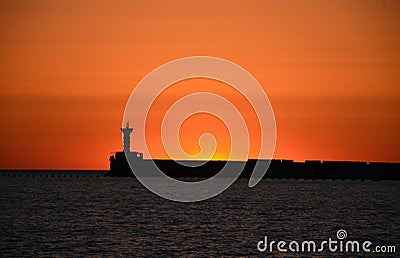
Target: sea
{"points": [[78, 213]]}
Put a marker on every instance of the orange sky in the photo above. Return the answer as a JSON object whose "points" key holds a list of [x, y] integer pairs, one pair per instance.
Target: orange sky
{"points": [[331, 70]]}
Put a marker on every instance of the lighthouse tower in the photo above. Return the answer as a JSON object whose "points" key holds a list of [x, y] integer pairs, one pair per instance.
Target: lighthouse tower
{"points": [[127, 138]]}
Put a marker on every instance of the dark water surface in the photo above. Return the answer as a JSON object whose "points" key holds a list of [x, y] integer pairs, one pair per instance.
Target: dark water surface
{"points": [[91, 215]]}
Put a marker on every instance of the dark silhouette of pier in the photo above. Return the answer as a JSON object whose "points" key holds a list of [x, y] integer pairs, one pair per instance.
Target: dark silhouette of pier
{"points": [[278, 169]]}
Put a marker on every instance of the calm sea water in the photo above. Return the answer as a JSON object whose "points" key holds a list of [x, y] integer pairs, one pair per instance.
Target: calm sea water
{"points": [[91, 215]]}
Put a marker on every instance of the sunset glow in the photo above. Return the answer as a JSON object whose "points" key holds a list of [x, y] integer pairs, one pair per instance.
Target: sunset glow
{"points": [[331, 70]]}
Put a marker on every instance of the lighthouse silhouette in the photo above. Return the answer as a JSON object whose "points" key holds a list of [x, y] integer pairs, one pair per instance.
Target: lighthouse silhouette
{"points": [[126, 131], [127, 137]]}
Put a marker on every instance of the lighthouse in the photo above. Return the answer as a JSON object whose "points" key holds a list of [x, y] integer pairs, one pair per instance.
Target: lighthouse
{"points": [[127, 138]]}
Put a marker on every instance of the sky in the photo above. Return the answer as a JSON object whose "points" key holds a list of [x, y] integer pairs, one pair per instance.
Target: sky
{"points": [[331, 70]]}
